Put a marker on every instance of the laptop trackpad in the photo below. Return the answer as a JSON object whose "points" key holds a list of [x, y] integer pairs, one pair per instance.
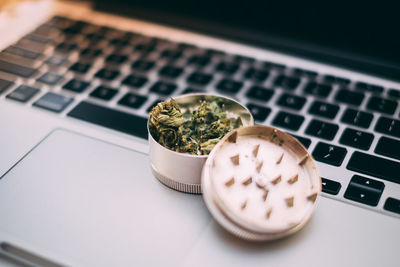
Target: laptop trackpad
{"points": [[96, 204]]}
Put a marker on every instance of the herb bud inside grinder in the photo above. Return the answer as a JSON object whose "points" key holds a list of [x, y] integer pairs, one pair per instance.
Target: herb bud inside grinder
{"points": [[194, 132], [182, 132]]}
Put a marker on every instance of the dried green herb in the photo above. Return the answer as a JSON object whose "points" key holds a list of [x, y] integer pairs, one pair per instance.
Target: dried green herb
{"points": [[194, 132]]}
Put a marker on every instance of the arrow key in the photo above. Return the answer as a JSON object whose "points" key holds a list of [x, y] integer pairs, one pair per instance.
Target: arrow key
{"points": [[364, 190], [392, 205], [330, 187]]}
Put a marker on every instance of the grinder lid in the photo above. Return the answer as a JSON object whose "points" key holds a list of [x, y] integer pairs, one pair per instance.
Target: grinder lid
{"points": [[260, 183]]}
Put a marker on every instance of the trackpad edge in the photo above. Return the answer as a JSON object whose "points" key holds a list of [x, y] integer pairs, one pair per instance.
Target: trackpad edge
{"points": [[98, 204]]}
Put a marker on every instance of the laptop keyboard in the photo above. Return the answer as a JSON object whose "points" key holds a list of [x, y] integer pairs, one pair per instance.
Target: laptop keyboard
{"points": [[112, 78]]}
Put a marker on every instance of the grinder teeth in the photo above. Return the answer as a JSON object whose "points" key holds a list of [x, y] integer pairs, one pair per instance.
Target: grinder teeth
{"points": [[277, 180], [230, 182], [247, 181], [293, 179], [280, 159], [235, 160]]}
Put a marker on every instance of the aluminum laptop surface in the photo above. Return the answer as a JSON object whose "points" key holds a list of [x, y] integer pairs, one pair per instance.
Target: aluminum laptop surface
{"points": [[81, 193]]}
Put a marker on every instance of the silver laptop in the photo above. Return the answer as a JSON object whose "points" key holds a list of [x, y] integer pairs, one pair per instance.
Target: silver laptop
{"points": [[77, 81]]}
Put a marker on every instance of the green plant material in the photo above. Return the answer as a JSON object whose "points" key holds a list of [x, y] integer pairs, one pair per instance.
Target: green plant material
{"points": [[194, 132]]}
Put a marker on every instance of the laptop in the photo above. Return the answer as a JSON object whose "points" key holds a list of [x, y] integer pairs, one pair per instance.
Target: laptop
{"points": [[77, 80]]}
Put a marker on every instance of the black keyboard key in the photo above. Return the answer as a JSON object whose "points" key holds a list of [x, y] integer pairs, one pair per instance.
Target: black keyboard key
{"points": [[56, 60], [17, 51], [369, 87], [110, 118], [392, 205], [143, 65], [38, 39], [94, 37], [342, 80], [104, 93], [66, 47], [76, 28], [375, 166], [330, 154], [388, 147], [324, 109], [171, 71], [90, 53], [273, 65], [291, 101], [199, 78], [394, 93], [305, 141], [364, 190], [214, 52], [119, 42], [132, 100], [109, 32], [199, 60], [357, 139], [358, 118], [4, 85], [80, 67], [23, 93], [163, 88], [287, 82], [31, 46], [322, 129], [259, 113], [76, 85], [171, 54], [15, 69], [243, 59], [145, 48], [106, 31], [107, 74], [46, 31], [229, 86], [330, 187], [53, 102], [260, 93], [349, 97], [318, 89], [335, 79], [134, 80], [116, 59], [50, 78], [227, 67], [185, 46], [18, 60], [382, 105], [288, 121], [306, 73], [256, 75], [388, 126], [59, 22]]}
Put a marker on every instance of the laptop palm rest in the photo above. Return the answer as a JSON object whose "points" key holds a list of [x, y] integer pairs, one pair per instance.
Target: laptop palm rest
{"points": [[96, 204]]}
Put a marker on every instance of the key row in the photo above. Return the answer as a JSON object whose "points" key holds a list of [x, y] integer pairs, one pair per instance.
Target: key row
{"points": [[57, 102], [287, 82], [362, 190], [118, 38], [359, 162], [319, 108], [355, 138]]}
